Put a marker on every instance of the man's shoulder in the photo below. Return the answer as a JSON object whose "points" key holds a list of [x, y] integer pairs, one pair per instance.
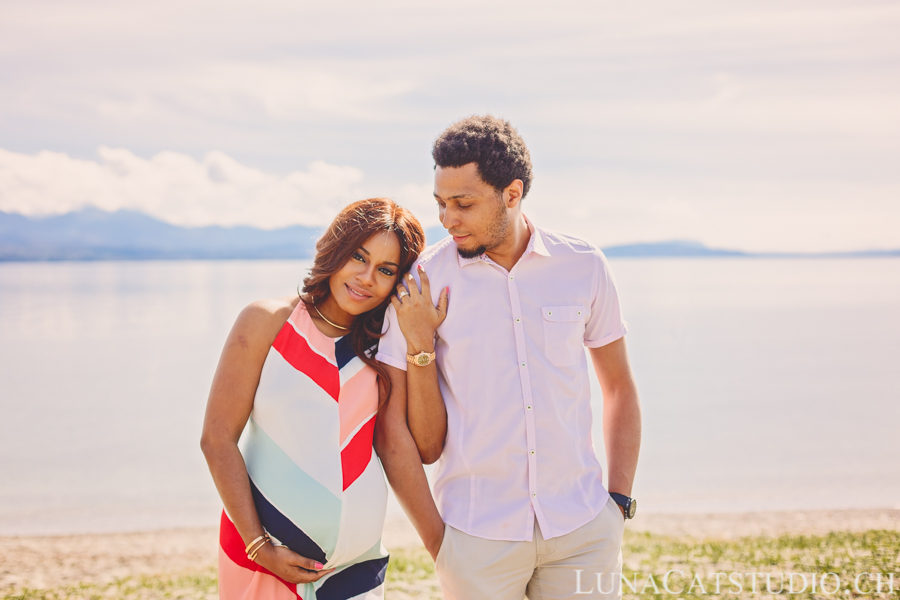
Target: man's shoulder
{"points": [[558, 242], [438, 253]]}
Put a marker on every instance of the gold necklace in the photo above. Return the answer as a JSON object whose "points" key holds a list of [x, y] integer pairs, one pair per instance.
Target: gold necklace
{"points": [[329, 322]]}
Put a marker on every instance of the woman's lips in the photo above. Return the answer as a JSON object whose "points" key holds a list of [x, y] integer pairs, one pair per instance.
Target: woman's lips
{"points": [[355, 295]]}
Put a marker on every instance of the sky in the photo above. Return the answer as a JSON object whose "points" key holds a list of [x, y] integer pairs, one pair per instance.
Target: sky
{"points": [[756, 125]]}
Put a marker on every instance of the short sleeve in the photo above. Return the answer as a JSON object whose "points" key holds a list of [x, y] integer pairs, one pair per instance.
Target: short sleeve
{"points": [[605, 324], [392, 346]]}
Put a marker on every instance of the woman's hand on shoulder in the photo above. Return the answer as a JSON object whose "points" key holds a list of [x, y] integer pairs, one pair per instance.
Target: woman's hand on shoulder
{"points": [[418, 317], [290, 566]]}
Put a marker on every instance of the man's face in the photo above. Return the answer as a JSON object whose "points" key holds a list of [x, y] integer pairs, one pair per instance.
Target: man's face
{"points": [[472, 211]]}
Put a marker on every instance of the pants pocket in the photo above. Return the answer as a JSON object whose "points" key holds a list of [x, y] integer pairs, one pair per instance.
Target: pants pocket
{"points": [[445, 541]]}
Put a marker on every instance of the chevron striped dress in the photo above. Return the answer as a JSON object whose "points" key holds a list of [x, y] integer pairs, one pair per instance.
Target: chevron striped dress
{"points": [[317, 484]]}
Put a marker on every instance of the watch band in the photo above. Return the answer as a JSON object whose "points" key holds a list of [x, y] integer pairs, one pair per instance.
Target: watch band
{"points": [[629, 504], [422, 359]]}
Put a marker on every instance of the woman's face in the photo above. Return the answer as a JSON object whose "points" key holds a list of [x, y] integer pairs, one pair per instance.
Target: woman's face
{"points": [[368, 277]]}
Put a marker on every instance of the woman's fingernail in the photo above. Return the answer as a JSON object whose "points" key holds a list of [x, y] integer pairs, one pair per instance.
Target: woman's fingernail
{"points": [[448, 290], [319, 565], [411, 278], [421, 268]]}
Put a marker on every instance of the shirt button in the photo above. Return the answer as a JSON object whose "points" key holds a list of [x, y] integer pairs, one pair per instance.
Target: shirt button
{"points": [[532, 451], [517, 320], [523, 364], [528, 407], [534, 495], [549, 313], [510, 277]]}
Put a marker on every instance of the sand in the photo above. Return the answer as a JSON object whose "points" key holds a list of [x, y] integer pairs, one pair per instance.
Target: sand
{"points": [[55, 561]]}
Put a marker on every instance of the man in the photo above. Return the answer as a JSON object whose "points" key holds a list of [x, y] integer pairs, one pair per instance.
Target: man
{"points": [[519, 488]]}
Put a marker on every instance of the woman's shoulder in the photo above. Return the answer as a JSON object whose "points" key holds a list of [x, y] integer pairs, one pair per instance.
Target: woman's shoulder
{"points": [[260, 321]]}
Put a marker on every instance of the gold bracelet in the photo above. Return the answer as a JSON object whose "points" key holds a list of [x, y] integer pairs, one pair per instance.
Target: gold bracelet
{"points": [[251, 544], [256, 550], [256, 546]]}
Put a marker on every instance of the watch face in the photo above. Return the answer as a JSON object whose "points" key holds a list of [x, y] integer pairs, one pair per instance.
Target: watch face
{"points": [[632, 508], [423, 360]]}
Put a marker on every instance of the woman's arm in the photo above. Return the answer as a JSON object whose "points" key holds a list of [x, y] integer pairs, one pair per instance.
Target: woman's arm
{"points": [[425, 411], [403, 466], [227, 410]]}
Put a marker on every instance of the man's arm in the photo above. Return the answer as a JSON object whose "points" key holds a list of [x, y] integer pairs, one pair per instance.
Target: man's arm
{"points": [[403, 466], [621, 414]]}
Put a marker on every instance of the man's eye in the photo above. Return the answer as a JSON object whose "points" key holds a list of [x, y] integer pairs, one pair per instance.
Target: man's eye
{"points": [[463, 205]]}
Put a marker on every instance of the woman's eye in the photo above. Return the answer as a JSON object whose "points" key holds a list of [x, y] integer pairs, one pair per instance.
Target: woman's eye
{"points": [[359, 257], [387, 271]]}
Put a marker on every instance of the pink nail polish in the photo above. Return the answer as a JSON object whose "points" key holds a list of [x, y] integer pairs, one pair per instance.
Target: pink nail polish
{"points": [[319, 565], [421, 268]]}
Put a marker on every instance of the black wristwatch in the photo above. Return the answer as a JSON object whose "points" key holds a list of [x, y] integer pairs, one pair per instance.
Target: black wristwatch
{"points": [[629, 504]]}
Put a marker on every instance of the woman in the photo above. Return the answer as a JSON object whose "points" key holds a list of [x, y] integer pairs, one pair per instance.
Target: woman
{"points": [[299, 373]]}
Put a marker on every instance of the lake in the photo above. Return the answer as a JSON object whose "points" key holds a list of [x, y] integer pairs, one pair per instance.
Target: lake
{"points": [[765, 383]]}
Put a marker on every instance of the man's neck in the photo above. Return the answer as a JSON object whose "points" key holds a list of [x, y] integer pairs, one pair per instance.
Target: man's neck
{"points": [[509, 252]]}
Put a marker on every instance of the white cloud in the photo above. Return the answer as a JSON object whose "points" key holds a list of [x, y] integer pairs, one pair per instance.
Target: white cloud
{"points": [[176, 188], [754, 123]]}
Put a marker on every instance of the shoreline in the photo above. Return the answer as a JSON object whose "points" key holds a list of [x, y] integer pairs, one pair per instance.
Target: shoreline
{"points": [[41, 562]]}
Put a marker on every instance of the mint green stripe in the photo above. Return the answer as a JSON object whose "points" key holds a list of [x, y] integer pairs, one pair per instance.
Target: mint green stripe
{"points": [[299, 497]]}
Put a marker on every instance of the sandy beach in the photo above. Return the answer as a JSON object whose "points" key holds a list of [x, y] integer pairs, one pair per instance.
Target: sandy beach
{"points": [[54, 562]]}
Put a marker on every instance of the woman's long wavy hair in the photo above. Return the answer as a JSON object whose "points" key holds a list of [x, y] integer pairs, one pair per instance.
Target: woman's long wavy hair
{"points": [[350, 229]]}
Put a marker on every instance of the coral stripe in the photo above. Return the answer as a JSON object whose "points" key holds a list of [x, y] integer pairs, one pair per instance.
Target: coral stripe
{"points": [[297, 351], [318, 341], [237, 583], [356, 455], [358, 400], [232, 545]]}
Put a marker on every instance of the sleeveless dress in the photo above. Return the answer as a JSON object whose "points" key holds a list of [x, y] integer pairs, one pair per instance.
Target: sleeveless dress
{"points": [[317, 484]]}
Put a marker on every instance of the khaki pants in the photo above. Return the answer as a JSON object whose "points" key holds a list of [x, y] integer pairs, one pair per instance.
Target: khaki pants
{"points": [[472, 568]]}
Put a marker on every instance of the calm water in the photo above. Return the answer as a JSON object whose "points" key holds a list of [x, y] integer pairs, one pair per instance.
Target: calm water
{"points": [[765, 384]]}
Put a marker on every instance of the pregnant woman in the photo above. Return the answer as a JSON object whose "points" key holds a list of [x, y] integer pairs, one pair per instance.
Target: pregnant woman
{"points": [[299, 374]]}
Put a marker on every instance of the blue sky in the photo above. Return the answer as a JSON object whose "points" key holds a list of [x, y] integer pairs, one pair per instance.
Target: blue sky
{"points": [[755, 125]]}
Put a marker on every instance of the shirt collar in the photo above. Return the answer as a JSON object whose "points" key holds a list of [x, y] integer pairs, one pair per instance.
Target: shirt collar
{"points": [[535, 244]]}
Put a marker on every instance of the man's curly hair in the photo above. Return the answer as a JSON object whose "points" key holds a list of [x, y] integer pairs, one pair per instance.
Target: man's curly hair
{"points": [[491, 143]]}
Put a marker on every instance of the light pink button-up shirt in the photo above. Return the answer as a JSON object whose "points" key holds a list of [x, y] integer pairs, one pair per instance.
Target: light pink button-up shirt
{"points": [[514, 377]]}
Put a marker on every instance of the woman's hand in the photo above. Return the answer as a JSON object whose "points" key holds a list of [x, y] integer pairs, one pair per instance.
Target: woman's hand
{"points": [[289, 565], [418, 317]]}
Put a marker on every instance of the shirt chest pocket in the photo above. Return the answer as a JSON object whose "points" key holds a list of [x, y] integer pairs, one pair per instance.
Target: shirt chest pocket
{"points": [[563, 333]]}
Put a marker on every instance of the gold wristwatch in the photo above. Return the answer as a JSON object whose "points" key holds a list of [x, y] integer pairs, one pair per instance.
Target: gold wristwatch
{"points": [[422, 359]]}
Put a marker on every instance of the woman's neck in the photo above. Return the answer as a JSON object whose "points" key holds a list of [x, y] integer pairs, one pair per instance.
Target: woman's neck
{"points": [[331, 319]]}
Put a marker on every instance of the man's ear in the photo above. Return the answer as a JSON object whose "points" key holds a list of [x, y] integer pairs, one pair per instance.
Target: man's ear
{"points": [[513, 193]]}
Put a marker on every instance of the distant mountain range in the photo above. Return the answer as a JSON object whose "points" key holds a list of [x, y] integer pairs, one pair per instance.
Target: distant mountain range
{"points": [[93, 234]]}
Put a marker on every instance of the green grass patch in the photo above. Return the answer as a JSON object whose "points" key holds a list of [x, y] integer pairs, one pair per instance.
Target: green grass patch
{"points": [[411, 572]]}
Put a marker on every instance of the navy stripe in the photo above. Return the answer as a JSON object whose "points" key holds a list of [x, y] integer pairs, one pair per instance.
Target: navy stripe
{"points": [[282, 528], [354, 580], [343, 351]]}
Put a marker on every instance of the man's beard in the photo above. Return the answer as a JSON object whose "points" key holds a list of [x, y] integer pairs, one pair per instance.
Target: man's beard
{"points": [[497, 233]]}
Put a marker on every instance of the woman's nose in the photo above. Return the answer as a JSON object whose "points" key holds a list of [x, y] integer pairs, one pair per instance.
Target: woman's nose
{"points": [[366, 275]]}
